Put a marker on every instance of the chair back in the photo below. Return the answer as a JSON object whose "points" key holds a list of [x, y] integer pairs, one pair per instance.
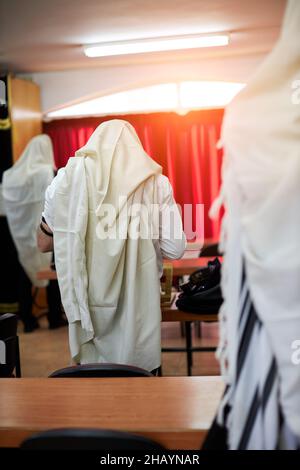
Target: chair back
{"points": [[9, 345], [101, 370], [89, 439]]}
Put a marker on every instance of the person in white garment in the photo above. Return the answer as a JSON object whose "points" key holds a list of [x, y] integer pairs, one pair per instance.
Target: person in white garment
{"points": [[260, 317], [23, 191], [108, 252]]}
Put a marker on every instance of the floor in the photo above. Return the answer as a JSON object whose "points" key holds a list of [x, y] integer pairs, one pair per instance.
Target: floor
{"points": [[44, 350]]}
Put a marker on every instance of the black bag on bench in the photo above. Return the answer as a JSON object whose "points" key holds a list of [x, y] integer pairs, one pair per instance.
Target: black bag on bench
{"points": [[202, 294]]}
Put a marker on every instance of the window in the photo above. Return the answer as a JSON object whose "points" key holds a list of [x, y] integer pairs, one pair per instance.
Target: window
{"points": [[180, 97]]}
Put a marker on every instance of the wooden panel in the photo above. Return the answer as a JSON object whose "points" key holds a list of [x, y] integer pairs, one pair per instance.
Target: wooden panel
{"points": [[175, 411], [25, 113]]}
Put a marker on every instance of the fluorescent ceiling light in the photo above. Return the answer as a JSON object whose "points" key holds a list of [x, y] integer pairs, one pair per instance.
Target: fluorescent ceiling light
{"points": [[155, 45]]}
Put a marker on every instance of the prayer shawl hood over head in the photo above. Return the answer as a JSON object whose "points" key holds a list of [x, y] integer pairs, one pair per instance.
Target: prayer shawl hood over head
{"points": [[109, 285], [24, 186]]}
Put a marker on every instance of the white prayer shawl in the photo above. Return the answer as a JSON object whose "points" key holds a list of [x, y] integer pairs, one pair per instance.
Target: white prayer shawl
{"points": [[2, 210], [24, 186], [261, 189], [110, 288]]}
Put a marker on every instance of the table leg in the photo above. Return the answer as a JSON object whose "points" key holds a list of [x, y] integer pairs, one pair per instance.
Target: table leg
{"points": [[18, 363], [189, 352], [198, 328]]}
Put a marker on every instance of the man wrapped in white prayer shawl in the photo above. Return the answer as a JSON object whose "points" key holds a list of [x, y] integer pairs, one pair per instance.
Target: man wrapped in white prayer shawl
{"points": [[23, 189], [260, 317], [108, 275]]}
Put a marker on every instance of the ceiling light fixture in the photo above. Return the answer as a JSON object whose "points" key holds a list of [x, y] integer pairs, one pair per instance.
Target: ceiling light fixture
{"points": [[155, 45]]}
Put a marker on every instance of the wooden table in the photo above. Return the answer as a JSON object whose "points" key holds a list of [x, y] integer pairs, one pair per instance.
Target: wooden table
{"points": [[172, 313], [181, 267], [174, 411]]}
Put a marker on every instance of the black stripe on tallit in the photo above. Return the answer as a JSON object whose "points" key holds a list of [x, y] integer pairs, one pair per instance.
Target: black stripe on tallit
{"points": [[250, 421], [243, 309], [245, 340], [269, 383], [243, 282], [243, 279], [258, 401]]}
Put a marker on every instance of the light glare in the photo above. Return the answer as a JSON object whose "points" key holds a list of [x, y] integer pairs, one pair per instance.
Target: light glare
{"points": [[181, 98], [195, 95]]}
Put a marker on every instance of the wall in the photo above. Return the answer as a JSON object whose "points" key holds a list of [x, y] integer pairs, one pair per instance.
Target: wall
{"points": [[59, 89]]}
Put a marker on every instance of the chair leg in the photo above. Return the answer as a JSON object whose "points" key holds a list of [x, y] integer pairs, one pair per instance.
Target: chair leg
{"points": [[18, 362], [198, 329], [189, 353]]}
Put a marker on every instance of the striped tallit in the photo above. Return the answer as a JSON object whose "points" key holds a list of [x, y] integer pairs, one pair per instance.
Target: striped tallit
{"points": [[260, 316], [250, 409]]}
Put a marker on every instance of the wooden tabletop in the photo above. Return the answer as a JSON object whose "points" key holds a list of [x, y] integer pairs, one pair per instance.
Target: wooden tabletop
{"points": [[174, 411], [172, 313], [181, 267]]}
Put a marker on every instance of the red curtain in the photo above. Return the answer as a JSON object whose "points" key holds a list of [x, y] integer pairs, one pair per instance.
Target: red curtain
{"points": [[185, 146]]}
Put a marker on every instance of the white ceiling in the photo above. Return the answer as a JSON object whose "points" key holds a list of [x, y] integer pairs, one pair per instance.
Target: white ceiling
{"points": [[38, 35]]}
